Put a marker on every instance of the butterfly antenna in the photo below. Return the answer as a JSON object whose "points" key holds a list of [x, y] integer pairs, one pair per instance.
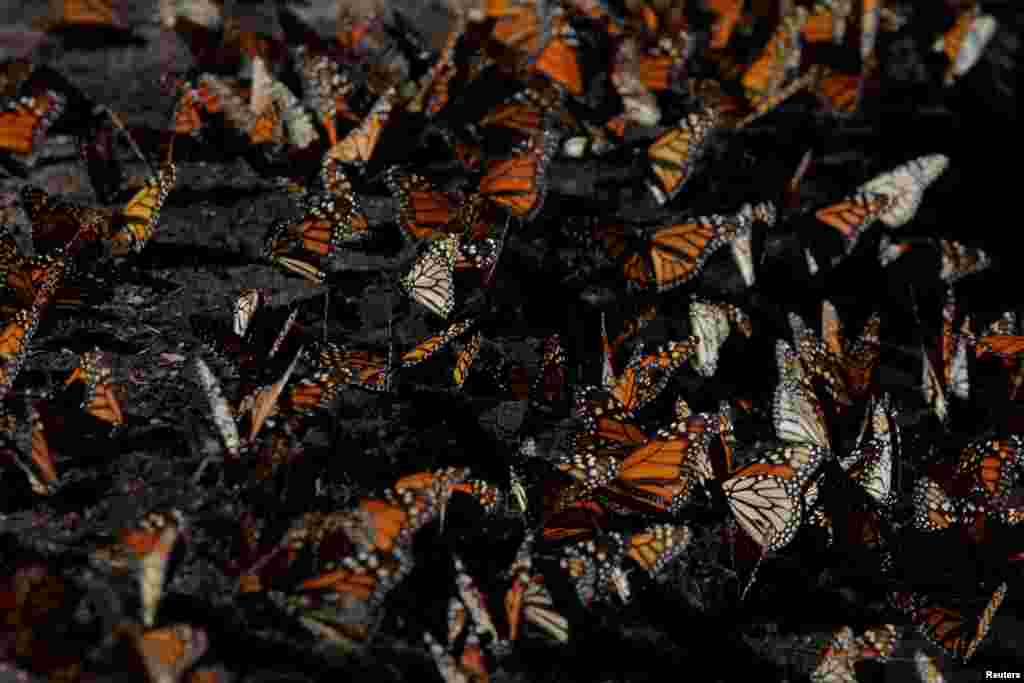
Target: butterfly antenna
{"points": [[170, 147], [497, 254], [119, 124], [753, 575]]}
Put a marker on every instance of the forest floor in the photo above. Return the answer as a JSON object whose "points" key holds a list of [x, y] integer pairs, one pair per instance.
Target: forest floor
{"points": [[207, 250]]}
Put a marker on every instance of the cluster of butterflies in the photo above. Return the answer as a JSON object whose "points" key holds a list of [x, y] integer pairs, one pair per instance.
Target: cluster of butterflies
{"points": [[606, 482]]}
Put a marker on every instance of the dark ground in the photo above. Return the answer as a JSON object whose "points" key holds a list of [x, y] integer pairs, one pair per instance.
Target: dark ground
{"points": [[207, 249]]}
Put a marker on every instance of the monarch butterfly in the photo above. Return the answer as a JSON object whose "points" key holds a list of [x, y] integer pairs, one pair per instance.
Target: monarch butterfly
{"points": [[905, 186], [632, 327], [992, 466], [742, 248], [674, 155], [1002, 339], [1004, 345], [596, 455], [518, 183], [673, 255], [246, 304], [25, 121], [220, 410], [438, 487], [964, 43], [433, 95], [889, 251], [135, 223], [780, 57], [711, 324], [261, 403], [837, 659], [762, 105], [98, 13], [188, 110], [959, 260], [870, 463], [268, 92], [518, 25], [18, 274], [13, 74], [431, 345], [470, 666], [357, 147], [55, 222], [96, 151], [953, 350], [870, 17], [727, 15], [764, 496], [1005, 324], [558, 59], [334, 369], [166, 653], [326, 87], [100, 401], [17, 332], [146, 549], [39, 466], [594, 567], [654, 548], [529, 600], [643, 379], [607, 358], [934, 508], [474, 601], [827, 22], [208, 13], [839, 92], [568, 512], [796, 412], [957, 631], [267, 124], [522, 114], [307, 245], [280, 447], [927, 670], [225, 97], [357, 556], [846, 369], [430, 280], [628, 77], [660, 474], [662, 65], [487, 495], [853, 215], [465, 358], [245, 353], [549, 387], [424, 212], [879, 642]]}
